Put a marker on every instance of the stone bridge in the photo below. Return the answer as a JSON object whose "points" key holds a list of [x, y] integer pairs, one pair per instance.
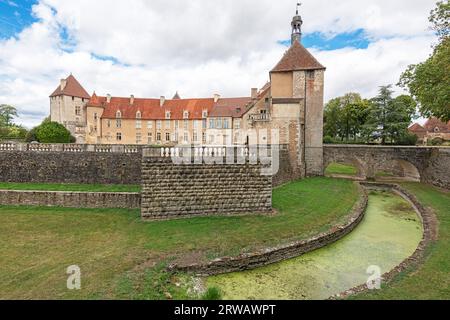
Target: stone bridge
{"points": [[427, 164]]}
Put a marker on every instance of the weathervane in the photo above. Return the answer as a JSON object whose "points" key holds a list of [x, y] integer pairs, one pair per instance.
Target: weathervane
{"points": [[298, 6]]}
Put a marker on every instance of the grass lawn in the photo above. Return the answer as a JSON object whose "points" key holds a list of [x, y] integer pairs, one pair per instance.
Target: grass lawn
{"points": [[69, 187], [120, 256], [337, 168], [432, 279]]}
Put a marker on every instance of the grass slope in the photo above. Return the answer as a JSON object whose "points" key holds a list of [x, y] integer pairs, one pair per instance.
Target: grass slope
{"points": [[337, 168], [116, 251]]}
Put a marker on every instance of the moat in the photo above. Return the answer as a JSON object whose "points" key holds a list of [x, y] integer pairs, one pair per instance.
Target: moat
{"points": [[390, 233]]}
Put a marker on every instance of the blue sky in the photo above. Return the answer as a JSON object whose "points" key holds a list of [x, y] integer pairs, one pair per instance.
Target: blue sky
{"points": [[147, 48]]}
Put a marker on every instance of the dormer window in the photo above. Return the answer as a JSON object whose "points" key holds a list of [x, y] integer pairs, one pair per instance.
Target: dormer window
{"points": [[186, 115], [436, 130], [168, 115], [205, 114], [118, 114], [138, 115]]}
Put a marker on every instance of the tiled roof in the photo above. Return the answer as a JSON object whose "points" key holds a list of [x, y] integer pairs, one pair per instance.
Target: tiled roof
{"points": [[230, 107], [73, 88], [434, 123], [417, 128], [150, 108], [297, 57]]}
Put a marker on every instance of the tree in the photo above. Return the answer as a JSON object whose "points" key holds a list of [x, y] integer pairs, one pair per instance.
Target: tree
{"points": [[389, 117], [429, 82], [53, 132], [7, 114]]}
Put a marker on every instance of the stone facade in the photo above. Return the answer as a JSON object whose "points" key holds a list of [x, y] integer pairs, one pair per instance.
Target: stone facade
{"points": [[71, 199], [171, 190], [429, 164]]}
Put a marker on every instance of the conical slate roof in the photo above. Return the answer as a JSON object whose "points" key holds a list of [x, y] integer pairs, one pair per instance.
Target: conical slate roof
{"points": [[297, 58]]}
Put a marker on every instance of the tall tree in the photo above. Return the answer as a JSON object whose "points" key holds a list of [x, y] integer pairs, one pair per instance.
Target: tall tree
{"points": [[429, 82], [7, 114]]}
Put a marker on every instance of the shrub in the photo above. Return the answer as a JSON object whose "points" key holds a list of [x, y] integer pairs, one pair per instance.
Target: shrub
{"points": [[213, 293], [53, 132], [328, 140]]}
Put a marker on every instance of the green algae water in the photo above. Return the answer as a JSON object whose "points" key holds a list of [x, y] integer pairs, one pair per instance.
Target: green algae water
{"points": [[390, 232]]}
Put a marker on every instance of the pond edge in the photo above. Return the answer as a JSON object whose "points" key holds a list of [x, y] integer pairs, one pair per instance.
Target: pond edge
{"points": [[430, 226], [268, 256]]}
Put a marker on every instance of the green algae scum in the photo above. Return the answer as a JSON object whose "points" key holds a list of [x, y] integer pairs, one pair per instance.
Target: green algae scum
{"points": [[390, 232]]}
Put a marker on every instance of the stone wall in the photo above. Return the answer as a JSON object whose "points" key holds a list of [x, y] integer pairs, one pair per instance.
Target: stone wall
{"points": [[88, 164], [70, 199], [174, 190], [438, 169]]}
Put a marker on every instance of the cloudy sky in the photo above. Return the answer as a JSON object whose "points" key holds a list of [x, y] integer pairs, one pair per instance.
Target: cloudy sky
{"points": [[151, 48]]}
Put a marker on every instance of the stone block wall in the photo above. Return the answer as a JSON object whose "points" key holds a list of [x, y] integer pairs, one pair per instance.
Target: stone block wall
{"points": [[438, 169], [70, 199], [64, 165], [171, 190]]}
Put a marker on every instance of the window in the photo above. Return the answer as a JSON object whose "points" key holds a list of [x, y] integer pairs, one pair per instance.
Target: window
{"points": [[138, 115], [95, 128], [168, 115], [194, 124], [138, 124], [158, 136], [167, 124], [186, 124], [95, 116], [186, 115], [204, 124], [205, 114], [237, 123], [119, 136], [177, 124], [226, 124], [78, 110], [219, 123], [73, 98], [195, 137], [150, 125], [108, 123], [310, 74], [158, 124], [167, 136], [212, 123], [118, 123], [211, 139], [138, 138], [186, 137], [118, 114], [150, 138], [175, 137], [204, 137]]}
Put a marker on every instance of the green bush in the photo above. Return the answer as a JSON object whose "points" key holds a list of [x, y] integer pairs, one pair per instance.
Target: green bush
{"points": [[437, 142], [213, 293], [408, 139], [328, 140], [53, 132]]}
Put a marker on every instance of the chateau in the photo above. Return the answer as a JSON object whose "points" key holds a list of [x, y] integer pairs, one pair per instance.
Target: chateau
{"points": [[291, 103]]}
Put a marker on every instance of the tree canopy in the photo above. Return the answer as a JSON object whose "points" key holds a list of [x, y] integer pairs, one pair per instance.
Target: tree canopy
{"points": [[429, 82], [52, 132]]}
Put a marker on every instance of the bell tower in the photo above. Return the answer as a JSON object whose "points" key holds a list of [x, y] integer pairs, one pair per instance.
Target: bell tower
{"points": [[296, 23]]}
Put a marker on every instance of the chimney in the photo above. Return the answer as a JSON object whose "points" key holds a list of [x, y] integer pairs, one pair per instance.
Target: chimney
{"points": [[108, 98], [254, 93], [63, 84], [162, 100], [216, 97], [132, 99]]}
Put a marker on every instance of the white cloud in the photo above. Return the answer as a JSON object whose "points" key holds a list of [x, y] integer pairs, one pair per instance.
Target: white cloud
{"points": [[200, 47]]}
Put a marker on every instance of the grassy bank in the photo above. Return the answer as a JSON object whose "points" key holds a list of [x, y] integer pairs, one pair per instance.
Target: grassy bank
{"points": [[69, 187], [122, 257], [432, 279], [341, 169]]}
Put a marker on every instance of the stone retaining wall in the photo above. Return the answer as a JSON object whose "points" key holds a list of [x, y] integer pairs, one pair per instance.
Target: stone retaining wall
{"points": [[71, 199], [173, 190], [281, 253]]}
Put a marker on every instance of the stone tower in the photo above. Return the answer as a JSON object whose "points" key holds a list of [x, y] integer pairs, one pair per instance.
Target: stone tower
{"points": [[68, 107], [297, 90]]}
